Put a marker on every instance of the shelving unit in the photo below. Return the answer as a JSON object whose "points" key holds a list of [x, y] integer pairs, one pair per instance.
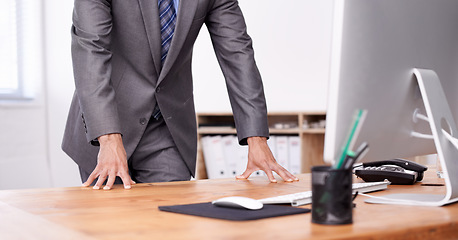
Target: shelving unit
{"points": [[306, 125]]}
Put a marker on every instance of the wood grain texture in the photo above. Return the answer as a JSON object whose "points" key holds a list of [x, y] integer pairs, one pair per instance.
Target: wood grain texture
{"points": [[78, 213]]}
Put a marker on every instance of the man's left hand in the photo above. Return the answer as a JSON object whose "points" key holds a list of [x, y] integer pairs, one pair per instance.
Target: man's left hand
{"points": [[260, 158]]}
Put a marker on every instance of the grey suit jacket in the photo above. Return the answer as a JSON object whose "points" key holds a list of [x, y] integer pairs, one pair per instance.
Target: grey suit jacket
{"points": [[116, 47]]}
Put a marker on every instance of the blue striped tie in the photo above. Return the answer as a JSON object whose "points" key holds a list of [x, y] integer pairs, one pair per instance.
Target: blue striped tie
{"points": [[168, 16]]}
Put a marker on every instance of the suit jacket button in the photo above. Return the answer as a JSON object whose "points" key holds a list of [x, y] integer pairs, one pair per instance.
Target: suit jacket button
{"points": [[143, 121], [158, 89]]}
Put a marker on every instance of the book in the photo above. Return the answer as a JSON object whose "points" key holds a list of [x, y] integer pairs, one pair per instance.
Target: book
{"points": [[214, 157], [230, 152], [282, 151], [294, 145]]}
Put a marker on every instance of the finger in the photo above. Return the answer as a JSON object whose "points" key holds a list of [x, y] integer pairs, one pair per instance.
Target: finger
{"points": [[110, 182], [290, 175], [268, 170], [284, 174], [100, 181], [127, 181], [245, 174], [90, 179], [270, 176], [293, 176]]}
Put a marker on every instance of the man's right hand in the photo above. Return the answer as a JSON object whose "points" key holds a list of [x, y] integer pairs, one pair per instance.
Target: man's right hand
{"points": [[111, 162]]}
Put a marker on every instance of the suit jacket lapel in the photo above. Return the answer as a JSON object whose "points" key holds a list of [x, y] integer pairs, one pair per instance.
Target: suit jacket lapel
{"points": [[150, 13], [186, 12]]}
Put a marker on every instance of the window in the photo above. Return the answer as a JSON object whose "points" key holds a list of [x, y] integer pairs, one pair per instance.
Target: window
{"points": [[20, 48], [9, 82]]}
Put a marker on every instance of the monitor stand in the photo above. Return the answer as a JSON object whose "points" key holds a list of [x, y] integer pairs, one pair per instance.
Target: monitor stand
{"points": [[444, 132]]}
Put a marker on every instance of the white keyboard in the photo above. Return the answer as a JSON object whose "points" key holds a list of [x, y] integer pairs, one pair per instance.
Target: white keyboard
{"points": [[302, 198]]}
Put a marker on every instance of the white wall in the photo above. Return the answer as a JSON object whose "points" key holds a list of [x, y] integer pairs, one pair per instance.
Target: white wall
{"points": [[292, 50], [31, 131], [59, 88], [23, 124], [23, 156], [293, 60]]}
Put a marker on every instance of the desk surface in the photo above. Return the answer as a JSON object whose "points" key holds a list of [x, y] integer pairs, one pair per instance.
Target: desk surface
{"points": [[83, 213]]}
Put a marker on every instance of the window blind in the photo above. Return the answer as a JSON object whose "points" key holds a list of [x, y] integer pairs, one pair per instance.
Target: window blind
{"points": [[20, 48], [9, 82]]}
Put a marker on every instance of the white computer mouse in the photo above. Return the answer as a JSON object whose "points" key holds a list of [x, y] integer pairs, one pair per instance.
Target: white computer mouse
{"points": [[238, 202]]}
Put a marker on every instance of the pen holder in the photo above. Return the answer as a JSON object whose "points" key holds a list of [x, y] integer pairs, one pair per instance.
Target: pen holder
{"points": [[331, 195]]}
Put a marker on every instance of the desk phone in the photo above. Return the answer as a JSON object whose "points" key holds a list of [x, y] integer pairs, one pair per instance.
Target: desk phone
{"points": [[397, 171]]}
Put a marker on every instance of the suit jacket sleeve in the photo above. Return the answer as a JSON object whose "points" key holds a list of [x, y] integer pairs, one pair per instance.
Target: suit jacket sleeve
{"points": [[91, 55], [234, 51]]}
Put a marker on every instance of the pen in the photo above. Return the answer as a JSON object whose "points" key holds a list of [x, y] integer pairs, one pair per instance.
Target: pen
{"points": [[354, 131], [349, 158], [352, 157]]}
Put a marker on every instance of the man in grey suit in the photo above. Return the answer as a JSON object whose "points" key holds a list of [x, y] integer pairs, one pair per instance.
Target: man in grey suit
{"points": [[132, 117]]}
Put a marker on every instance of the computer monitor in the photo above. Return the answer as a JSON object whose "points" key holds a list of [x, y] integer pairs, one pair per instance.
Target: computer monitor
{"points": [[381, 51]]}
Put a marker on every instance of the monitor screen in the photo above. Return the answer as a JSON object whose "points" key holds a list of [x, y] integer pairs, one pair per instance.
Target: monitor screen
{"points": [[376, 46]]}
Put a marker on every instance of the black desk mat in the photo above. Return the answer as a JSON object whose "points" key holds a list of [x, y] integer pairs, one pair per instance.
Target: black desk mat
{"points": [[207, 209]]}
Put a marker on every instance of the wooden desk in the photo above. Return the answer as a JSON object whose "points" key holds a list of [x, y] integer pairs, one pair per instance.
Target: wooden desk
{"points": [[83, 213]]}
